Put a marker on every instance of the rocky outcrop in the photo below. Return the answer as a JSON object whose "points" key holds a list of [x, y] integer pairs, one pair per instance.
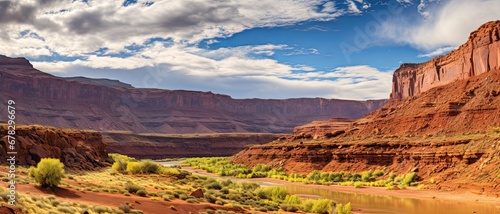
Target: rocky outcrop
{"points": [[480, 54], [76, 149], [467, 162], [326, 128], [159, 146], [107, 105]]}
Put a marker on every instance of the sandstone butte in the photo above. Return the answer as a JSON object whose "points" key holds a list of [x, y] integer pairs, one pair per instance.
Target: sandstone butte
{"points": [[442, 121]]}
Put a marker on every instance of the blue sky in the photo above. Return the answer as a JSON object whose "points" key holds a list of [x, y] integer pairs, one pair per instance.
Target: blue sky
{"points": [[279, 49]]}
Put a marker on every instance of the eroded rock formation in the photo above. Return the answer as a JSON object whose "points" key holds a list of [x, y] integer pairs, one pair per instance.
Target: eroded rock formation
{"points": [[158, 146], [75, 148], [109, 105], [480, 54]]}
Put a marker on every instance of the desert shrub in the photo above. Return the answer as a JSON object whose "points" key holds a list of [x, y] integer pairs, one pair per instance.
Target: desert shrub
{"points": [[40, 204], [261, 168], [274, 193], [142, 193], [134, 167], [366, 176], [66, 209], [102, 209], [210, 198], [292, 199], [289, 207], [358, 184], [389, 186], [377, 173], [220, 202], [149, 167], [392, 176], [132, 188], [421, 186], [323, 206], [136, 212], [120, 162], [48, 172], [431, 181], [125, 208], [183, 196], [167, 197], [191, 200], [344, 209], [55, 203], [213, 185], [224, 190], [402, 186], [169, 170], [409, 178]]}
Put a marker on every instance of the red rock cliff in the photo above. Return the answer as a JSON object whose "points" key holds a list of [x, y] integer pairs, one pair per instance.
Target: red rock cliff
{"points": [[75, 148], [478, 55], [95, 104]]}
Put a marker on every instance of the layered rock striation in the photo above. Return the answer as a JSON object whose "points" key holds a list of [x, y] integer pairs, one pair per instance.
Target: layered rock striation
{"points": [[480, 54], [159, 146], [83, 150], [109, 105]]}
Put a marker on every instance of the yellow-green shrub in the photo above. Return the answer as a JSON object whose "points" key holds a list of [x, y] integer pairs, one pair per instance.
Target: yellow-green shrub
{"points": [[48, 172]]}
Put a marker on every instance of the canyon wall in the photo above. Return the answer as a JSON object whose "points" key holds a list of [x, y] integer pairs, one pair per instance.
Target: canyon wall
{"points": [[444, 126], [478, 55], [76, 149], [159, 146], [109, 105]]}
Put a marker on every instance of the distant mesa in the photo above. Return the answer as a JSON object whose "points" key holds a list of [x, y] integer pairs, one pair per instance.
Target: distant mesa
{"points": [[104, 82], [104, 104]]}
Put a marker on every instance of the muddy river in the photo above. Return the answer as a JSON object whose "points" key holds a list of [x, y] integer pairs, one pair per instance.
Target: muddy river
{"points": [[373, 204]]}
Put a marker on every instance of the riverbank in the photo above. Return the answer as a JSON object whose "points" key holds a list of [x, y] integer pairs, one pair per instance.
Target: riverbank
{"points": [[410, 192]]}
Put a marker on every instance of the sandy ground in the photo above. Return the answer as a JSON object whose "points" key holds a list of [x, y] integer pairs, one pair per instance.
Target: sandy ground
{"points": [[114, 200]]}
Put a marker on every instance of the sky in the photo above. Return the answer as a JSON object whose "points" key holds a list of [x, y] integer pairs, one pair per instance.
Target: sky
{"points": [[273, 49]]}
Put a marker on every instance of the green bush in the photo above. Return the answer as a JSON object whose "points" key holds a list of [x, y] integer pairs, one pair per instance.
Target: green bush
{"points": [[132, 188], [344, 209], [102, 209], [142, 193], [409, 178], [292, 199], [167, 197], [192, 200], [120, 162], [274, 193], [48, 172], [183, 196], [323, 206], [289, 207], [149, 167], [125, 208], [66, 209]]}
